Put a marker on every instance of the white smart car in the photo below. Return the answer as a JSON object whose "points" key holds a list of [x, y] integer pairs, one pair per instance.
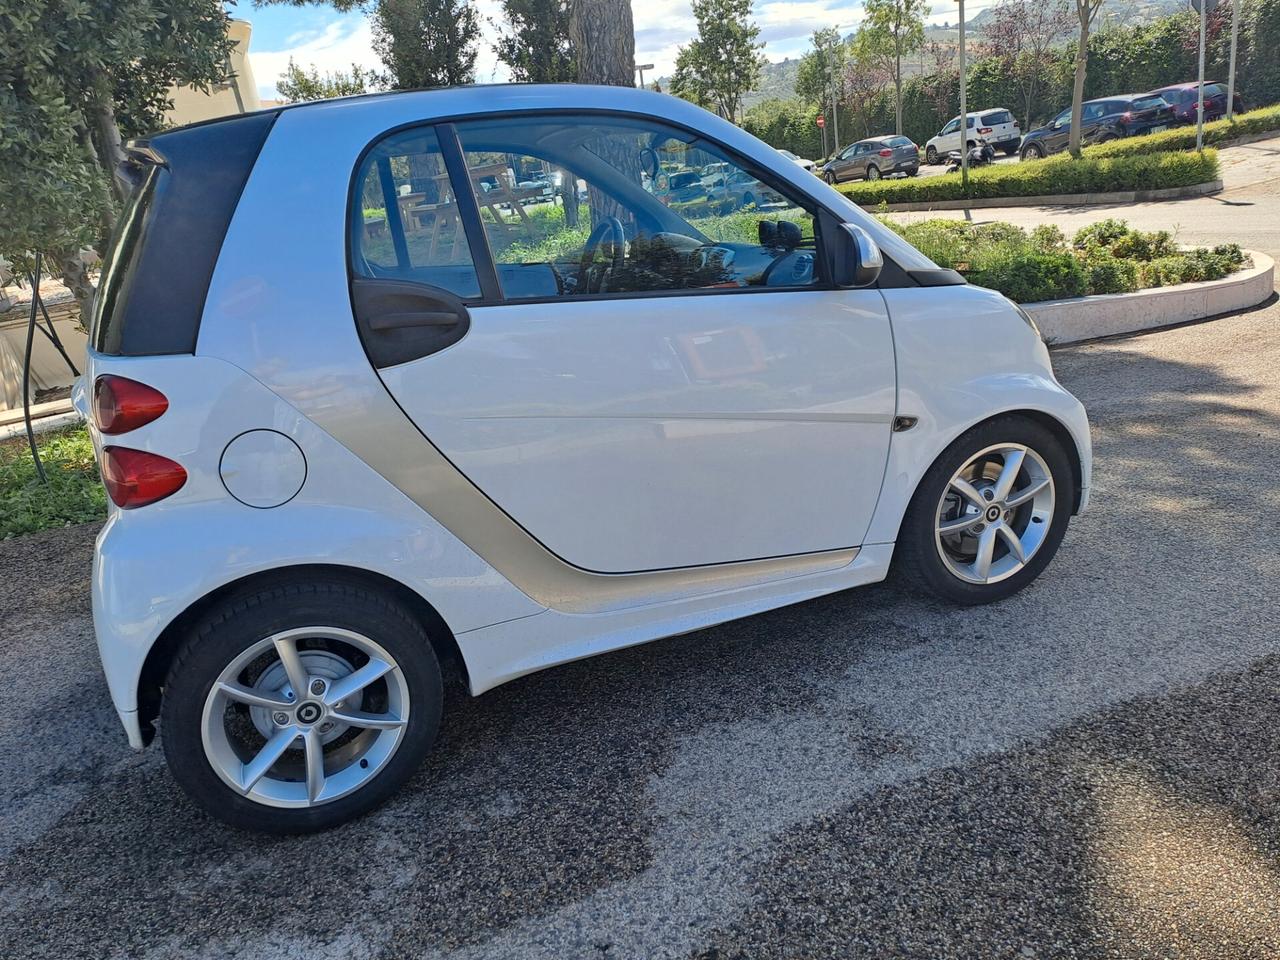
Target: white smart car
{"points": [[357, 414]]}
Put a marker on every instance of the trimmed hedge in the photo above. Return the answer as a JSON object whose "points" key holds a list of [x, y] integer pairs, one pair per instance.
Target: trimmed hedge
{"points": [[1030, 266], [1059, 174], [1184, 138]]}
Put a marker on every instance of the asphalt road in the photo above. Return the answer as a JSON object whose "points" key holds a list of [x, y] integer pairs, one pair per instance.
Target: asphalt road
{"points": [[1089, 769]]}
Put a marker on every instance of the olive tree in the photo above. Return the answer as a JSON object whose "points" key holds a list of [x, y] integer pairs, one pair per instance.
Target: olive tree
{"points": [[76, 79]]}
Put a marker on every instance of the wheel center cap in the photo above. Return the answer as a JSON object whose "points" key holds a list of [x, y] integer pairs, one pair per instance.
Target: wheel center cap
{"points": [[309, 712], [993, 513]]}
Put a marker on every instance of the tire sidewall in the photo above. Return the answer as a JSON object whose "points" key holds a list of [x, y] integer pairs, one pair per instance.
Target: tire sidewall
{"points": [[236, 627]]}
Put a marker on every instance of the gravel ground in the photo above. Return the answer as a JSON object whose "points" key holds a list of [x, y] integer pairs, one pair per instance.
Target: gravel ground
{"points": [[1086, 770]]}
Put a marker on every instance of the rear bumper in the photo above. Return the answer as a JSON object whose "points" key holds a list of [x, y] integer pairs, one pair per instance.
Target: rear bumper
{"points": [[906, 166]]}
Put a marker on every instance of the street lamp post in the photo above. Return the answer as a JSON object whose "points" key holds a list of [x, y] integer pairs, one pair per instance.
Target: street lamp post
{"points": [[1231, 68], [642, 67], [964, 113]]}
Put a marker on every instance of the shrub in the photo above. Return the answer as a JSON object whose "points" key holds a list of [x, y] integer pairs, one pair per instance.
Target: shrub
{"points": [[1101, 234], [72, 495], [1060, 174], [1027, 276], [1184, 137], [1048, 236], [1104, 273]]}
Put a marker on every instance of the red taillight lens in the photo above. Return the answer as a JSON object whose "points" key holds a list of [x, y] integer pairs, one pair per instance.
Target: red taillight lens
{"points": [[984, 130], [886, 153], [121, 404], [135, 478]]}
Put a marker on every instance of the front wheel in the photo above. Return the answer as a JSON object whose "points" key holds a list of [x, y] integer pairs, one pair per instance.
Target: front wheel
{"points": [[1033, 152], [830, 178], [295, 708], [989, 514], [930, 156]]}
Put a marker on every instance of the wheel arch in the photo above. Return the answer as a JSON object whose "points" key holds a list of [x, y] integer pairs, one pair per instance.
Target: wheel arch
{"points": [[162, 652]]}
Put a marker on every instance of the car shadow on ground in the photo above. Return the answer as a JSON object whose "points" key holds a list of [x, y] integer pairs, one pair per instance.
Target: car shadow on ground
{"points": [[868, 774]]}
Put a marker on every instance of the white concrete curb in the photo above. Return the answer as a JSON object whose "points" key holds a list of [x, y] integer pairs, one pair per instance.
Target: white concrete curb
{"points": [[1085, 318], [43, 425], [1050, 200]]}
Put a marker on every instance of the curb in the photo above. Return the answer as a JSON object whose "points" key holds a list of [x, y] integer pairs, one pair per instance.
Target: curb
{"points": [[43, 425], [1051, 200], [1086, 318]]}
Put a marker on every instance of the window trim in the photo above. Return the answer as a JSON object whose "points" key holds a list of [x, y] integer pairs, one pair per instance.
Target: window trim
{"points": [[813, 205]]}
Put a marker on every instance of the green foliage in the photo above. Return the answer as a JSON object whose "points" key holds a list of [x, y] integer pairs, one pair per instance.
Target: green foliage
{"points": [[72, 495], [723, 62], [74, 77], [1105, 257], [533, 40], [296, 85], [1218, 132], [427, 43], [1058, 174], [821, 67], [787, 125]]}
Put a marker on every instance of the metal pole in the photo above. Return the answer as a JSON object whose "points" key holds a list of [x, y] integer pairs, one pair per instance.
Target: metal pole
{"points": [[1231, 69], [26, 371], [1204, 11], [964, 112], [835, 110]]}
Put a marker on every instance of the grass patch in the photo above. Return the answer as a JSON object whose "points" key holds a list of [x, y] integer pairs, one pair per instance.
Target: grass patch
{"points": [[1041, 264], [1184, 138], [73, 494], [1059, 174]]}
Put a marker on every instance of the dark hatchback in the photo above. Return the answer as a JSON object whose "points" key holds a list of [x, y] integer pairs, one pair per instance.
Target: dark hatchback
{"points": [[872, 159], [1107, 118], [1182, 97]]}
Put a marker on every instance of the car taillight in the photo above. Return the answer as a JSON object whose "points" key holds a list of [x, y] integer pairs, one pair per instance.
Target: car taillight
{"points": [[121, 404], [135, 478], [1127, 116], [886, 153], [984, 130]]}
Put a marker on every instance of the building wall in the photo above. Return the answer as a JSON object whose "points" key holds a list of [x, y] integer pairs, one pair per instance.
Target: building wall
{"points": [[239, 95]]}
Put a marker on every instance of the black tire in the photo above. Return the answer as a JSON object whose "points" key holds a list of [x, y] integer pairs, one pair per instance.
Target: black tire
{"points": [[931, 156], [246, 618], [873, 172], [830, 178], [917, 561], [1032, 152]]}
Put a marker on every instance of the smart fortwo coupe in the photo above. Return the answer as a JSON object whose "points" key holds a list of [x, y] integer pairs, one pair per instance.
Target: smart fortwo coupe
{"points": [[380, 381]]}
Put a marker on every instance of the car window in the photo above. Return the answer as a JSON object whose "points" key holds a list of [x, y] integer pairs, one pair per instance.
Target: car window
{"points": [[997, 117], [1214, 90], [405, 221], [899, 142], [1148, 103], [969, 122], [1063, 118], [595, 206], [1094, 111], [952, 127]]}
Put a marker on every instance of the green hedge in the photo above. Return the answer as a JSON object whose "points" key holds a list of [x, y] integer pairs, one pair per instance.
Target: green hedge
{"points": [[1184, 138], [1059, 174]]}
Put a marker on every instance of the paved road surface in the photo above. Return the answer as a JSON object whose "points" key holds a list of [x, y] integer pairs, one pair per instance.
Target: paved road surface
{"points": [[1087, 770]]}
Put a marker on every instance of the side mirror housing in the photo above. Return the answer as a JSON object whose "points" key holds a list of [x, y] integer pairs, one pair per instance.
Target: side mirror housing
{"points": [[855, 258]]}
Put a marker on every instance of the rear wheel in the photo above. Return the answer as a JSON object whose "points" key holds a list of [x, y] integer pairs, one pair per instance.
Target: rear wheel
{"points": [[990, 513], [296, 708], [873, 172]]}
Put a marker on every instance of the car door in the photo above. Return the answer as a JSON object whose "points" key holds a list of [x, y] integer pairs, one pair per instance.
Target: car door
{"points": [[692, 391], [949, 138], [845, 165]]}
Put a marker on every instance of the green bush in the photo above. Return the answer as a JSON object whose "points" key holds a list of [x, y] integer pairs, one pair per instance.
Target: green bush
{"points": [[1059, 174], [72, 495], [1104, 257], [1184, 138]]}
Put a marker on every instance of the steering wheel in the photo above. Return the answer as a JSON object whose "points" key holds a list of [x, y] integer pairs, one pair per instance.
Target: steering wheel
{"points": [[609, 225]]}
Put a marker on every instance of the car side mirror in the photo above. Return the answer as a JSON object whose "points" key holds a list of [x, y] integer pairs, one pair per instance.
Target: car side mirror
{"points": [[856, 259]]}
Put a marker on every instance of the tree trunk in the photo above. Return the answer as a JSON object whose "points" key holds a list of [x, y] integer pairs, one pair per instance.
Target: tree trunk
{"points": [[1077, 90], [604, 41], [897, 95], [75, 277]]}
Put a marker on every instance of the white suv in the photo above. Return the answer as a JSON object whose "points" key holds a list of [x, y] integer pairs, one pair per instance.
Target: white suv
{"points": [[358, 415], [998, 127]]}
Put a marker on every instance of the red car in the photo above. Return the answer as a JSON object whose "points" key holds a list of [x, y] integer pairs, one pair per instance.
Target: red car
{"points": [[1182, 97]]}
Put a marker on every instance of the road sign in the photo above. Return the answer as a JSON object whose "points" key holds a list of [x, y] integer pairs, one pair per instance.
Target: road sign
{"points": [[1209, 8], [822, 121]]}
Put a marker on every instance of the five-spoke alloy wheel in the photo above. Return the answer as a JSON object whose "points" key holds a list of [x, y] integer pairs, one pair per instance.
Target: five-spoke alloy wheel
{"points": [[300, 706], [989, 514]]}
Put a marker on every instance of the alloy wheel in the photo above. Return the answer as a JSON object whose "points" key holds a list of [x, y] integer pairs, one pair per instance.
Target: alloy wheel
{"points": [[873, 173], [995, 513], [305, 716]]}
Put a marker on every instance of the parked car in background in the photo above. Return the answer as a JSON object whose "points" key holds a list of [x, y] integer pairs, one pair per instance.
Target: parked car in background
{"points": [[872, 159], [1182, 98], [807, 164], [737, 189], [516, 453], [1107, 118], [997, 126], [684, 186]]}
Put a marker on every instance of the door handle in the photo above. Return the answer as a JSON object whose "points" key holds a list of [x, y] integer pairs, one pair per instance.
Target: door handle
{"points": [[414, 318]]}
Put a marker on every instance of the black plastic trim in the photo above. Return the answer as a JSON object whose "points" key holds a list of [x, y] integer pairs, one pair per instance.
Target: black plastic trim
{"points": [[402, 320], [936, 277], [198, 174], [455, 164]]}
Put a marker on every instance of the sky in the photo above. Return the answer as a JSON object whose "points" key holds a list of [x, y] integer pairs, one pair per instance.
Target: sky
{"points": [[321, 37]]}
